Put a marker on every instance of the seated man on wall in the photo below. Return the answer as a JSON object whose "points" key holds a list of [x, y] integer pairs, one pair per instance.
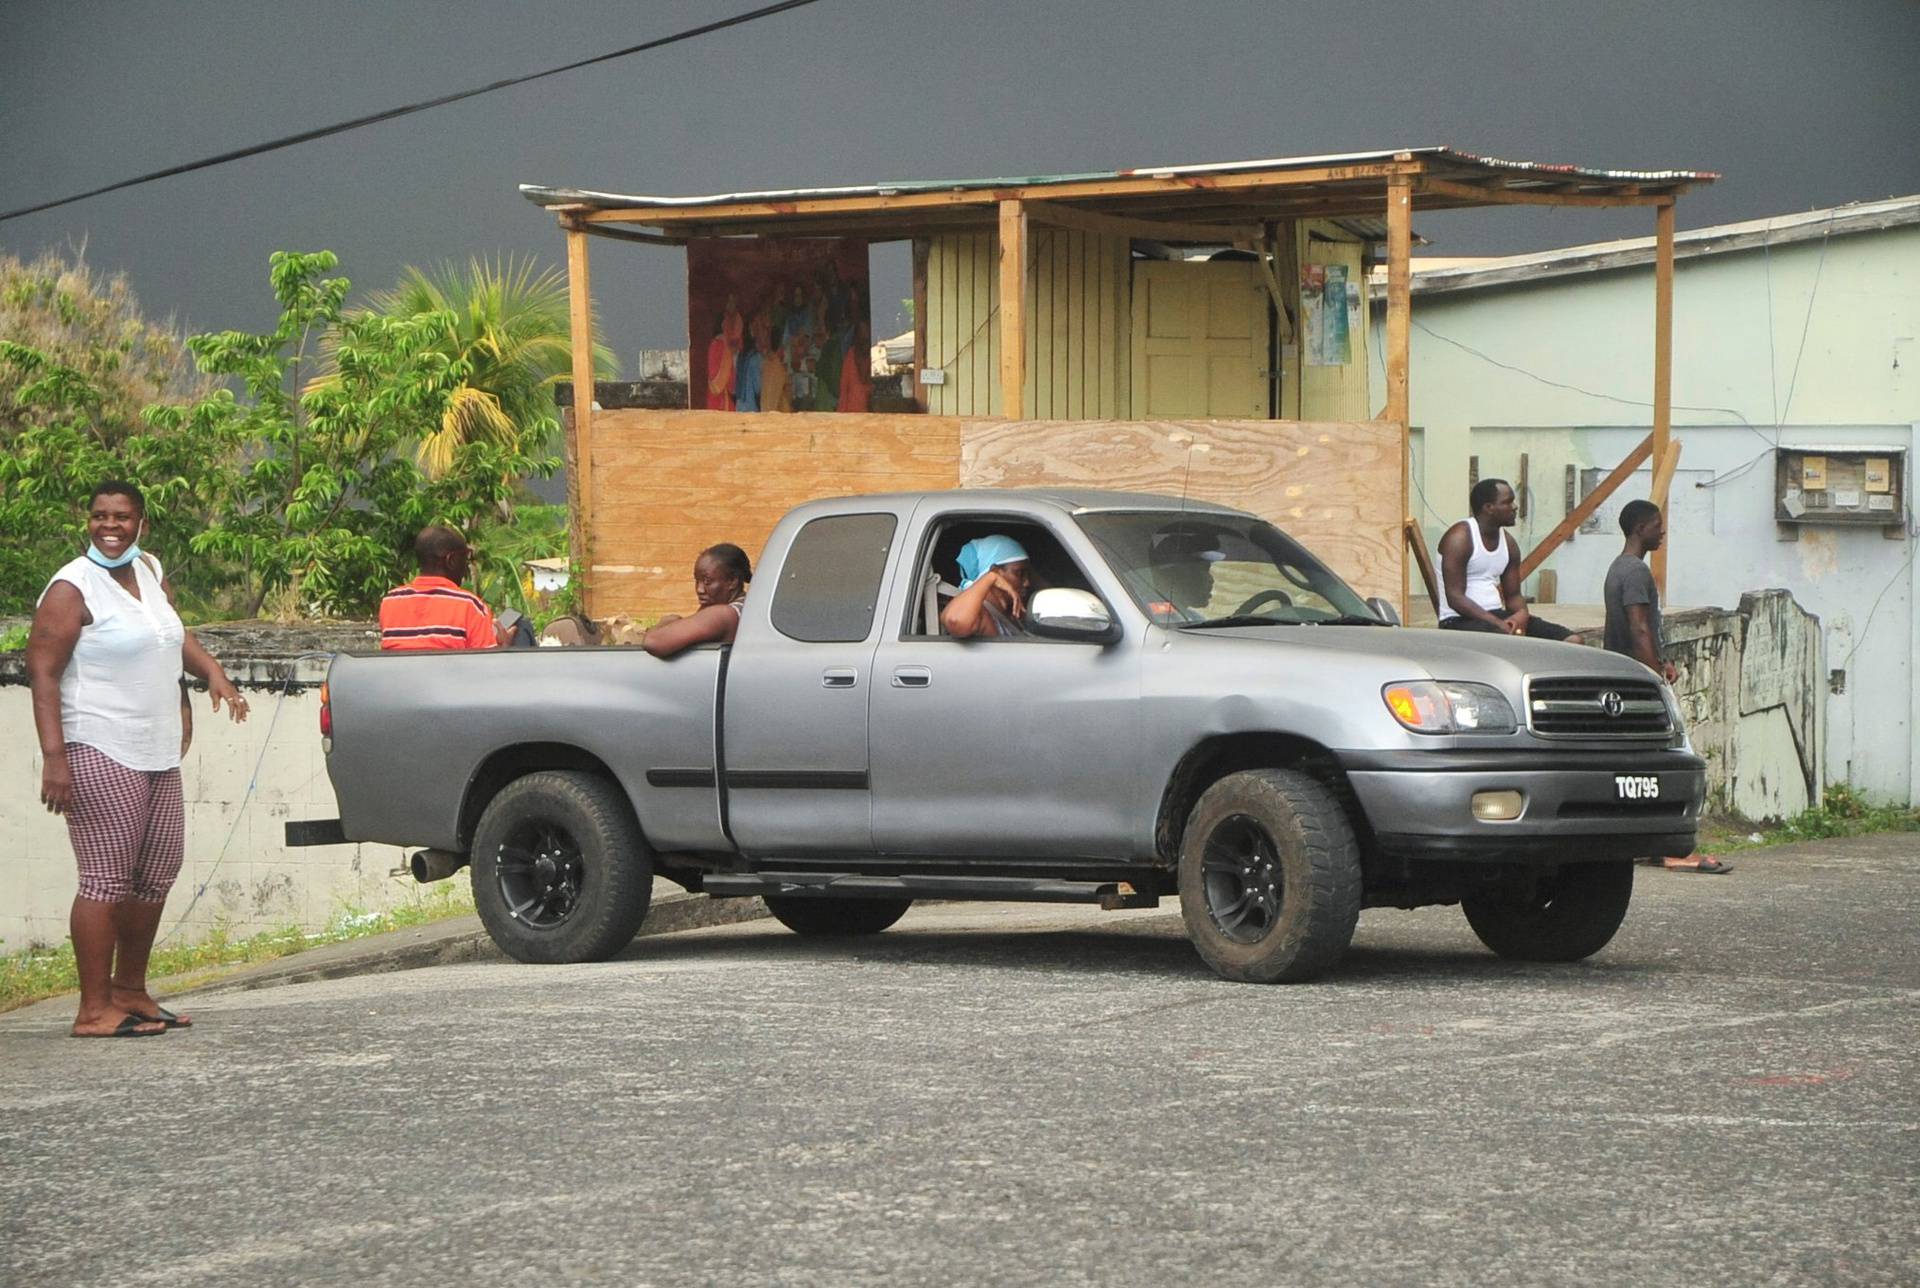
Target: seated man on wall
{"points": [[1480, 571], [432, 611]]}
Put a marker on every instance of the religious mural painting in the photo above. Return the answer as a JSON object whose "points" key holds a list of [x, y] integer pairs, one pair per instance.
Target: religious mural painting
{"points": [[778, 324]]}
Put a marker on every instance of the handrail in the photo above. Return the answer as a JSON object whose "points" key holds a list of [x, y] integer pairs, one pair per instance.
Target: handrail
{"points": [[1417, 542], [1591, 502]]}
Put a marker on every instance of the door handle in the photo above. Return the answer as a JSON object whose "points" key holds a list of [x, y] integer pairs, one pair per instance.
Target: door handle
{"points": [[839, 677], [912, 677]]}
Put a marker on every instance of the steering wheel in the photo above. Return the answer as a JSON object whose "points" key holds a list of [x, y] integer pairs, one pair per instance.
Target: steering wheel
{"points": [[1261, 598]]}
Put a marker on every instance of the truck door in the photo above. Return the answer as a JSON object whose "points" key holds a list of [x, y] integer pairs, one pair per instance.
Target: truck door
{"points": [[794, 725], [1016, 748]]}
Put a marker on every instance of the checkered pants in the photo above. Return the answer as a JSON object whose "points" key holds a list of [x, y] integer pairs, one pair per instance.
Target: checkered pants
{"points": [[128, 827]]}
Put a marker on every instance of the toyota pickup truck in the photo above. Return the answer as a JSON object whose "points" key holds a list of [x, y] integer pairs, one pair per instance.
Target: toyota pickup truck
{"points": [[1198, 708]]}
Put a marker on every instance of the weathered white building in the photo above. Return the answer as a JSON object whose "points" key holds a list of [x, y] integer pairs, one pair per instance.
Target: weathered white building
{"points": [[1796, 392]]}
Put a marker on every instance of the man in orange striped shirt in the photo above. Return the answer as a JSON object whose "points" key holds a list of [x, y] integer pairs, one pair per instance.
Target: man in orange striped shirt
{"points": [[432, 611]]}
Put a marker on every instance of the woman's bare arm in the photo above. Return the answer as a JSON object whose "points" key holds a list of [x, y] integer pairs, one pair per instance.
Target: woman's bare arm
{"points": [[715, 624], [50, 641]]}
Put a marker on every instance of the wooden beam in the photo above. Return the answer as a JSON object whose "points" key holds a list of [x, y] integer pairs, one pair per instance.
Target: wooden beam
{"points": [[1013, 310], [1473, 195], [1123, 186], [1580, 513], [922, 251], [1662, 368], [623, 234], [580, 316], [1663, 472], [1090, 221], [1417, 543], [1399, 339]]}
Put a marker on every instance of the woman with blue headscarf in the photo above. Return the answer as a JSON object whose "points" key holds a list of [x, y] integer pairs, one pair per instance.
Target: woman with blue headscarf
{"points": [[993, 590]]}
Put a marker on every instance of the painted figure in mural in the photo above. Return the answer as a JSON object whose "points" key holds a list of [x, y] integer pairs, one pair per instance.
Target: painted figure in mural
{"points": [[826, 369], [1480, 571], [856, 372], [736, 325], [776, 392], [719, 368], [104, 661], [746, 379]]}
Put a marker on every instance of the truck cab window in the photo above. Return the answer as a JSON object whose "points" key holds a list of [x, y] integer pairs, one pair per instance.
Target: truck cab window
{"points": [[830, 583], [940, 575]]}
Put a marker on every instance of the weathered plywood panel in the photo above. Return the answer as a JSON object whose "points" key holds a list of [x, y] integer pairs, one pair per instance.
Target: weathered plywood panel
{"points": [[1332, 486], [669, 484]]}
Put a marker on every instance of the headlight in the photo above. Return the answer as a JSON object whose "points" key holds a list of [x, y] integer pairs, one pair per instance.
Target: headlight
{"points": [[1449, 706]]}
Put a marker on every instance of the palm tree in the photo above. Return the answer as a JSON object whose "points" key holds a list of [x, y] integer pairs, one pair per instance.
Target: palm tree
{"points": [[511, 323]]}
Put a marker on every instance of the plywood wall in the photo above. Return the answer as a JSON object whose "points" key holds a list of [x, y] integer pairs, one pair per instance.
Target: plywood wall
{"points": [[1331, 486], [668, 484], [1077, 345]]}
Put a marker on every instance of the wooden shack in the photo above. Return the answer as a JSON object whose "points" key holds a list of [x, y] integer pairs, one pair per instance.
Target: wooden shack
{"points": [[1197, 330]]}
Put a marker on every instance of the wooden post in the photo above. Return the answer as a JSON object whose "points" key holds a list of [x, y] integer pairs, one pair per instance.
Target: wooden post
{"points": [[1399, 336], [922, 251], [580, 310], [1013, 310], [1662, 367]]}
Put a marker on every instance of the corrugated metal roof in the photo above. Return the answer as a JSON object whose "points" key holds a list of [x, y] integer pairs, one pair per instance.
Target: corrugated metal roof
{"points": [[1635, 252], [1443, 157]]}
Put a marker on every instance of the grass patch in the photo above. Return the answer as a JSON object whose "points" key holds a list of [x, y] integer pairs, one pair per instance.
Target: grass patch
{"points": [[1843, 813], [48, 972]]}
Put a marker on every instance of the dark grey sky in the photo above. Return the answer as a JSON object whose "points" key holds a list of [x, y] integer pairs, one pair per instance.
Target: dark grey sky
{"points": [[1799, 104]]}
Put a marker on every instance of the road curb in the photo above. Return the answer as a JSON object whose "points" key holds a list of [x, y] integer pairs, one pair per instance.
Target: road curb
{"points": [[448, 943]]}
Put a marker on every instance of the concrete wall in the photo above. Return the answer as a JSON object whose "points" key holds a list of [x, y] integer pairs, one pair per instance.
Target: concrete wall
{"points": [[1812, 343], [234, 840]]}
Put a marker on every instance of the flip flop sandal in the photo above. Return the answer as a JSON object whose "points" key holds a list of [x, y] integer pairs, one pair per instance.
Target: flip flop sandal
{"points": [[166, 1017], [127, 1028], [1712, 867]]}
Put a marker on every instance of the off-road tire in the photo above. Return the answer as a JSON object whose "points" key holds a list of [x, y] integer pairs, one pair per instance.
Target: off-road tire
{"points": [[819, 917], [1308, 902], [1571, 915], [608, 866]]}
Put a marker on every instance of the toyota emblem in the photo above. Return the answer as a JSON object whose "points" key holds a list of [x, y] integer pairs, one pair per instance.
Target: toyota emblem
{"points": [[1613, 704]]}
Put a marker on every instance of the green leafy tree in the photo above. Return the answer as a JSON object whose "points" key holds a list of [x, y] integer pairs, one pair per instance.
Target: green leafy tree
{"points": [[61, 446], [511, 331], [91, 325], [325, 504]]}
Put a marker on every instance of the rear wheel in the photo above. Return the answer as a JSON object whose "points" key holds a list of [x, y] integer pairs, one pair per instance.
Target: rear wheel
{"points": [[1269, 877], [827, 918], [560, 870], [1567, 916]]}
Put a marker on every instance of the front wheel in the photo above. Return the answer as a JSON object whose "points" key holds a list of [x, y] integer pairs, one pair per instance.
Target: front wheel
{"points": [[560, 870], [1567, 916], [824, 917], [1269, 877]]}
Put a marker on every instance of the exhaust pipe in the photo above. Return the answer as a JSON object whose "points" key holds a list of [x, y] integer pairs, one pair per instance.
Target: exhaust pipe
{"points": [[435, 865]]}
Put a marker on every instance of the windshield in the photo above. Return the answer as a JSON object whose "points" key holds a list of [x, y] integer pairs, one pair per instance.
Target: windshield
{"points": [[1207, 570]]}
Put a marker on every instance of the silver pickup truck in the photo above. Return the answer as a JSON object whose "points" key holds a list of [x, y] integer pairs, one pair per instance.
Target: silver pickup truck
{"points": [[1199, 708]]}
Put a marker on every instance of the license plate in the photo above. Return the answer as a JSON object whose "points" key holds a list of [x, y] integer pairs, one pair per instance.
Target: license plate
{"points": [[1636, 787]]}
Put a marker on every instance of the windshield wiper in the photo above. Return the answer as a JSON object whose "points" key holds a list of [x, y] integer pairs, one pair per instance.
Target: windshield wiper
{"points": [[1345, 619], [1243, 619]]}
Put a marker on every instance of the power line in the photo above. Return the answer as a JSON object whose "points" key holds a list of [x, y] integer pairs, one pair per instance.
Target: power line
{"points": [[394, 113]]}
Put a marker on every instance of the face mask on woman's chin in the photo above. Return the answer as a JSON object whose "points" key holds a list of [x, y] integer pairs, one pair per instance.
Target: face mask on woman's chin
{"points": [[127, 556]]}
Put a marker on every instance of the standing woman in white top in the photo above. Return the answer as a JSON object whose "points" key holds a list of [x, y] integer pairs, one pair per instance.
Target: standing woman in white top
{"points": [[104, 657]]}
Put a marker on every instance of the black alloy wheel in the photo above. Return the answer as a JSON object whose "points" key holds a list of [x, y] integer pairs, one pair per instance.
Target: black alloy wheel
{"points": [[540, 871], [1242, 876]]}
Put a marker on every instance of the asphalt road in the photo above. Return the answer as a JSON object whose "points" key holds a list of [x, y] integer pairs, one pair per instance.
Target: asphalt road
{"points": [[993, 1094]]}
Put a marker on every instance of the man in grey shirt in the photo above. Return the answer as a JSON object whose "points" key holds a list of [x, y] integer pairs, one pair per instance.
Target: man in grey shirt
{"points": [[1633, 601], [1633, 624]]}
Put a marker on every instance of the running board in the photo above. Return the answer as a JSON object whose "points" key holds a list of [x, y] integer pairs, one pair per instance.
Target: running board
{"points": [[1110, 895]]}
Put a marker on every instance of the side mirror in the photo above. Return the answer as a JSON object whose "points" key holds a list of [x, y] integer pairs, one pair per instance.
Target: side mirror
{"points": [[1062, 613], [1385, 611]]}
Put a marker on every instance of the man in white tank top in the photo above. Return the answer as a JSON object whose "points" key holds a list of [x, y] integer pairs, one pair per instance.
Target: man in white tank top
{"points": [[1480, 571]]}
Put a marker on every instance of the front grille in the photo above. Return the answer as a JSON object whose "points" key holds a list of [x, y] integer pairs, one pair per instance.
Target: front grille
{"points": [[1579, 708]]}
